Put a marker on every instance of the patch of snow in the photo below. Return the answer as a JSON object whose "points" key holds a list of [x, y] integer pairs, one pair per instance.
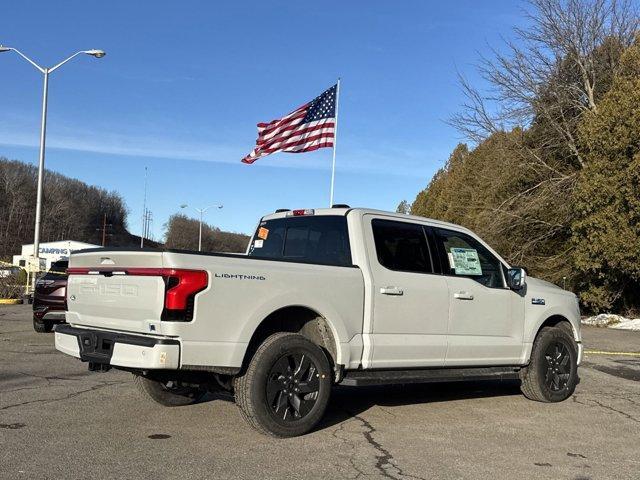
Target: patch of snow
{"points": [[613, 321], [629, 324]]}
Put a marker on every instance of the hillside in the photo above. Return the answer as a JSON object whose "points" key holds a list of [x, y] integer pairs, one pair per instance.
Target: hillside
{"points": [[75, 210], [182, 233], [71, 209]]}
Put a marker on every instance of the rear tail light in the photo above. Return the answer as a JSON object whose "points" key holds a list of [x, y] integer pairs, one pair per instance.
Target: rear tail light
{"points": [[181, 286], [180, 291]]}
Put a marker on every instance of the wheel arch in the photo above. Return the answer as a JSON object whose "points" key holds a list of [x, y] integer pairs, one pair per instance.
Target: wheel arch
{"points": [[558, 320], [300, 319]]}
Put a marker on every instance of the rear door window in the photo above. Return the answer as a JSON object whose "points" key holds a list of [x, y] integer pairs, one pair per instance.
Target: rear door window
{"points": [[402, 246], [322, 239]]}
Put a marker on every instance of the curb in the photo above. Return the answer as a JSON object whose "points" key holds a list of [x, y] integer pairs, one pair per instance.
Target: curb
{"points": [[10, 301]]}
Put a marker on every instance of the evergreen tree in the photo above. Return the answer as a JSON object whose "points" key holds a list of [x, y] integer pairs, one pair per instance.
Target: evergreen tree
{"points": [[607, 197]]}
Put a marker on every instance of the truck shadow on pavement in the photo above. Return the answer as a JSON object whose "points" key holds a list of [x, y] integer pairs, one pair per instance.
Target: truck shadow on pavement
{"points": [[349, 402]]}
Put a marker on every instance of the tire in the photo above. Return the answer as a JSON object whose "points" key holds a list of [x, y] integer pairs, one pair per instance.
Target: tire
{"points": [[42, 326], [159, 392], [552, 373], [286, 386]]}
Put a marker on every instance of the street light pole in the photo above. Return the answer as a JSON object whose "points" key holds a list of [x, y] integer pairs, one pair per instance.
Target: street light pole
{"points": [[43, 131], [43, 135], [200, 232], [201, 212]]}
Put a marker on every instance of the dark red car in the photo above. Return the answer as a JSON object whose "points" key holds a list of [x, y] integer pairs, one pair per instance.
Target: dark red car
{"points": [[49, 298]]}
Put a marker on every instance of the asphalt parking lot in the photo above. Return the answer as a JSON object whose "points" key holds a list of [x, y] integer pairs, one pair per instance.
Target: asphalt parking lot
{"points": [[57, 420]]}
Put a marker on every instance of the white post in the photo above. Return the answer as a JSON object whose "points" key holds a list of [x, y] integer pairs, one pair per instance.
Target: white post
{"points": [[200, 232], [43, 134], [335, 141]]}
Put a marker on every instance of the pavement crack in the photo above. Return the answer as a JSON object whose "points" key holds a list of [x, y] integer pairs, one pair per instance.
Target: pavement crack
{"points": [[49, 378], [65, 397], [387, 411], [24, 388], [607, 407], [385, 462], [590, 402], [352, 457]]}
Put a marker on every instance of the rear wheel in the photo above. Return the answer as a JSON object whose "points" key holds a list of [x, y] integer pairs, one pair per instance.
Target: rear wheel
{"points": [[285, 389], [42, 326], [552, 373], [168, 393]]}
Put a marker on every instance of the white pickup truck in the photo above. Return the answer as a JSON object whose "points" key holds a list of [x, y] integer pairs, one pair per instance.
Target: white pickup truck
{"points": [[321, 297]]}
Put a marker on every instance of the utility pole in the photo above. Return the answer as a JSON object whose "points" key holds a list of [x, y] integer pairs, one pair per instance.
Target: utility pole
{"points": [[104, 229], [144, 210]]}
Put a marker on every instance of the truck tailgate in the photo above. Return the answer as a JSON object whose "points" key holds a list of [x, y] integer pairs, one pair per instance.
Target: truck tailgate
{"points": [[108, 297]]}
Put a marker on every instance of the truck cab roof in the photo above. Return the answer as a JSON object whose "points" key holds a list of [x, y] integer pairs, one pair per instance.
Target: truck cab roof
{"points": [[343, 211]]}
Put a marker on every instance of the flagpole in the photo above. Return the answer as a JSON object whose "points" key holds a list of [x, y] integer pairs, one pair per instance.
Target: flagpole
{"points": [[335, 141]]}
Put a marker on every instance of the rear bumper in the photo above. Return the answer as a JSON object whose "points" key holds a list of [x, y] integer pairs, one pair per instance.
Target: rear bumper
{"points": [[118, 349], [49, 308], [49, 313]]}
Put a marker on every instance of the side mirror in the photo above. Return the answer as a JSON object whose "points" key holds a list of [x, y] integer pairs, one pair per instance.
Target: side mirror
{"points": [[516, 278]]}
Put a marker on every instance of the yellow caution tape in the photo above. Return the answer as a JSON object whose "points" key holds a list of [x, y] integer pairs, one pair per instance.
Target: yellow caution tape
{"points": [[602, 352], [48, 271]]}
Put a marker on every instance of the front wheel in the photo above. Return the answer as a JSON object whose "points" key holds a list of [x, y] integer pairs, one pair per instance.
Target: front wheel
{"points": [[285, 389], [168, 393], [552, 373]]}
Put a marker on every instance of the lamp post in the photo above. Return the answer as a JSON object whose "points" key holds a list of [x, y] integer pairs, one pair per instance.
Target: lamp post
{"points": [[201, 212], [43, 129]]}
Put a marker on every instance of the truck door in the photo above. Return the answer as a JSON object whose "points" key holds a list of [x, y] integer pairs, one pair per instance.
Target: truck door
{"points": [[486, 319], [410, 301]]}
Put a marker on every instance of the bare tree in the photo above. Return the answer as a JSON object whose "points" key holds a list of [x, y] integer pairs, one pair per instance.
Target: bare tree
{"points": [[551, 72], [71, 209]]}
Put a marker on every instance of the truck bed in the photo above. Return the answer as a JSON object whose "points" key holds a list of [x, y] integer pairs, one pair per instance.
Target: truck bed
{"points": [[124, 291]]}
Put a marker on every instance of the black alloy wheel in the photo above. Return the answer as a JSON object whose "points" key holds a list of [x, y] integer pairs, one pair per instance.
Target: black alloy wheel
{"points": [[558, 366], [292, 386], [286, 386], [552, 372]]}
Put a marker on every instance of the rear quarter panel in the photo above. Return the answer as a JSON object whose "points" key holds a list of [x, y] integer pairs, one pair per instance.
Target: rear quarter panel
{"points": [[243, 291]]}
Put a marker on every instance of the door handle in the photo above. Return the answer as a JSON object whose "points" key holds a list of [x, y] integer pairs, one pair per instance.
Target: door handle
{"points": [[391, 291], [463, 296]]}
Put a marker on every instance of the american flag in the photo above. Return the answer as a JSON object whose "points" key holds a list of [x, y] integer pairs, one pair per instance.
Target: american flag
{"points": [[308, 128]]}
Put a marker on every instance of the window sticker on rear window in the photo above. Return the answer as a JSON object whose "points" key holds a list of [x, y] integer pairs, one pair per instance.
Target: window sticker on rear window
{"points": [[263, 233], [465, 261], [258, 243]]}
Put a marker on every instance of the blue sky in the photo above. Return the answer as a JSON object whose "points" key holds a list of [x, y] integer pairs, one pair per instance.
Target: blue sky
{"points": [[184, 84]]}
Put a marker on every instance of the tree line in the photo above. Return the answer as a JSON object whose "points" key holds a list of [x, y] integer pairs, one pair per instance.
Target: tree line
{"points": [[71, 209], [182, 233], [551, 177]]}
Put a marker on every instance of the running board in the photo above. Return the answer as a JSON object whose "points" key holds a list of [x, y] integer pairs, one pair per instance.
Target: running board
{"points": [[360, 378]]}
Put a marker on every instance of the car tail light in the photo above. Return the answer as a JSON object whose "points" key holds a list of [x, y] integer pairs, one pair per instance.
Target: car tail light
{"points": [[181, 286]]}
